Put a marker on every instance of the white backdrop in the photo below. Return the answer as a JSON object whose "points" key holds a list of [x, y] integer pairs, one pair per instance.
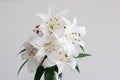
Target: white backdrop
{"points": [[102, 21]]}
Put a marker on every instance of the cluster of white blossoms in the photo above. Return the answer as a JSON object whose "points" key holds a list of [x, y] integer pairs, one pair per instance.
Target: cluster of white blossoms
{"points": [[57, 38]]}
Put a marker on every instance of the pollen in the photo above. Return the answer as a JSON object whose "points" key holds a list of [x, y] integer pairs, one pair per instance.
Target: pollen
{"points": [[49, 47]]}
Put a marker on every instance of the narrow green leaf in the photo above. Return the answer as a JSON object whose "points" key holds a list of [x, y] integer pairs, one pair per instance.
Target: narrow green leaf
{"points": [[81, 55], [77, 68], [21, 51], [21, 67], [82, 48], [40, 70], [43, 60]]}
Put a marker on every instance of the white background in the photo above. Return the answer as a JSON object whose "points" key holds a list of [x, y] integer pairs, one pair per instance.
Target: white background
{"points": [[102, 21]]}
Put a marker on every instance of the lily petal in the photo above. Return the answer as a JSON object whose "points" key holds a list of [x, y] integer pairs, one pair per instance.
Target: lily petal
{"points": [[82, 43], [24, 55], [79, 29], [51, 12], [32, 64], [71, 63], [60, 67], [35, 41], [42, 16], [62, 14], [48, 63], [74, 22], [66, 21]]}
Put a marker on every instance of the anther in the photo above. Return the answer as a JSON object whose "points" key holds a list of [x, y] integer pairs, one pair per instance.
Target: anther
{"points": [[37, 26], [50, 19]]}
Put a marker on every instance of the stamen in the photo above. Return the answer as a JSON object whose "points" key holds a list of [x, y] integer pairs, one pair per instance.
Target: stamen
{"points": [[51, 26], [31, 46], [37, 26], [61, 60], [64, 26], [58, 23], [75, 39], [73, 43], [37, 31], [34, 54], [42, 34], [59, 52], [66, 55], [56, 19], [75, 33], [79, 34], [50, 32], [50, 19]]}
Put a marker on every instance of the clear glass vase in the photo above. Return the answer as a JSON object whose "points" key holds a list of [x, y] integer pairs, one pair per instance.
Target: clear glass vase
{"points": [[55, 77]]}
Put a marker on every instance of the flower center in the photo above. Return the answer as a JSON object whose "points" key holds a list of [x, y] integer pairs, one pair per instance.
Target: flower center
{"points": [[49, 46], [32, 52], [73, 37], [63, 57], [52, 23]]}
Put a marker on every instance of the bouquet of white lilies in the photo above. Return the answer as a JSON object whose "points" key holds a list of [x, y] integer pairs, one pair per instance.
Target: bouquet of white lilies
{"points": [[56, 44]]}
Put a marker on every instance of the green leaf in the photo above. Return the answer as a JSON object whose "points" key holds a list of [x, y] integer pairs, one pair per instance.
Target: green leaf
{"points": [[77, 68], [81, 55], [21, 67], [40, 70], [82, 48], [49, 72], [21, 51]]}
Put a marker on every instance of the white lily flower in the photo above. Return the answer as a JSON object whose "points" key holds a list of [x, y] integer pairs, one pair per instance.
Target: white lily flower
{"points": [[66, 59], [30, 54], [54, 23], [60, 59], [30, 51], [74, 34], [46, 45]]}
